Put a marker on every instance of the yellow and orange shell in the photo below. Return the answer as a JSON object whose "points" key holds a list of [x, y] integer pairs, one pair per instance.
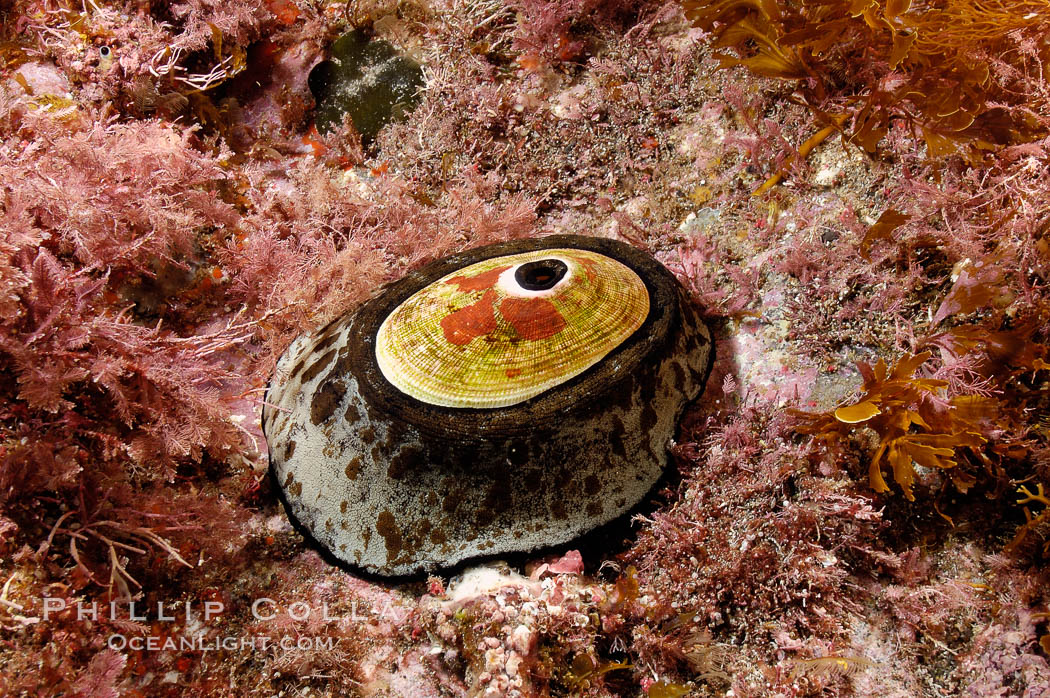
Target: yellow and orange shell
{"points": [[477, 339]]}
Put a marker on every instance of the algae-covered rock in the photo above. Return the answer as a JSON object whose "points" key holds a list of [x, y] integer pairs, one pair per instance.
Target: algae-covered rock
{"points": [[367, 80]]}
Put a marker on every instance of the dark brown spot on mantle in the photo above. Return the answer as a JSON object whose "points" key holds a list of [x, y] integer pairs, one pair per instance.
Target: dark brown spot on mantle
{"points": [[558, 510], [353, 468], [499, 496], [409, 458], [317, 366], [616, 437], [330, 335], [325, 400], [452, 501], [387, 527], [649, 417], [679, 374], [395, 433], [533, 480], [484, 517]]}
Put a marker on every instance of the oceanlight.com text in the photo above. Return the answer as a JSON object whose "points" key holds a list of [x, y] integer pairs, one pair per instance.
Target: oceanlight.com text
{"points": [[199, 643]]}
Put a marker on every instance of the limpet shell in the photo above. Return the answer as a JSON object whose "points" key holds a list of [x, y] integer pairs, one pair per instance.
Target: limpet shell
{"points": [[479, 337], [501, 400]]}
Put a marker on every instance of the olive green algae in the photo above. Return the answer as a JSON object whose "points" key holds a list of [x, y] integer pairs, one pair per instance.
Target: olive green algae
{"points": [[366, 80]]}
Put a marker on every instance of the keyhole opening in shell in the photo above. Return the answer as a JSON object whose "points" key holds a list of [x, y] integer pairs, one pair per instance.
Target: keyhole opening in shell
{"points": [[540, 275]]}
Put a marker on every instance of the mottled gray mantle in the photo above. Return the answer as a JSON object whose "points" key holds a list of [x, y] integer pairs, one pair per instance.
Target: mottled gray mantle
{"points": [[395, 486]]}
